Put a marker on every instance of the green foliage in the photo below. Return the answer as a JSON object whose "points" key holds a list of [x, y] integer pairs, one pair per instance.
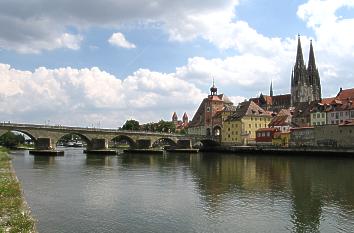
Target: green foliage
{"points": [[131, 125], [161, 126], [10, 139]]}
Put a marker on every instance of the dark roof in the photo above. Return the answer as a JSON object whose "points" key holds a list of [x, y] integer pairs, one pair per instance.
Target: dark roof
{"points": [[282, 98], [303, 109], [198, 117], [281, 120], [247, 108]]}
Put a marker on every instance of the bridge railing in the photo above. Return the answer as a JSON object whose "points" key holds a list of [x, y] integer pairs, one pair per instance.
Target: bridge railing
{"points": [[90, 129]]}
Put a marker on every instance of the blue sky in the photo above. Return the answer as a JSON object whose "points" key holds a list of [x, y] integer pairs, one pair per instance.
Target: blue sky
{"points": [[108, 61]]}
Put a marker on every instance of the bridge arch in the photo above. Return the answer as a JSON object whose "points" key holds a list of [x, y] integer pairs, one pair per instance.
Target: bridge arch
{"points": [[82, 137], [28, 134], [124, 138], [164, 142]]}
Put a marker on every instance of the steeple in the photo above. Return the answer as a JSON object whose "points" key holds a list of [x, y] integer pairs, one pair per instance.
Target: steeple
{"points": [[185, 118], [174, 117], [299, 64], [313, 74], [213, 89], [271, 89]]}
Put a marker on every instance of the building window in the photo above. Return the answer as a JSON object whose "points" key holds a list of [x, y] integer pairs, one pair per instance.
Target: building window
{"points": [[332, 114], [323, 122], [341, 114], [255, 125], [249, 125], [323, 115], [346, 113], [332, 122], [208, 109], [251, 118], [352, 114], [228, 129], [337, 115]]}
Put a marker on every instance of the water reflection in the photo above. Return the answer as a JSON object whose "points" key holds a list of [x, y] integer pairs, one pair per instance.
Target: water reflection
{"points": [[99, 160], [43, 160], [203, 192]]}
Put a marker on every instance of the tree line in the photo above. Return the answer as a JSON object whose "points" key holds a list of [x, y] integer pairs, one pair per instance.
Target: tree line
{"points": [[161, 126]]}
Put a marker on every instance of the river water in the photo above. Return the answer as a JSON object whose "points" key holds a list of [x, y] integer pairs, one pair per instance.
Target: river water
{"points": [[187, 192]]}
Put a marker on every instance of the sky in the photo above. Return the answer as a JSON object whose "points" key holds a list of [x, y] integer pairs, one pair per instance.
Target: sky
{"points": [[98, 63]]}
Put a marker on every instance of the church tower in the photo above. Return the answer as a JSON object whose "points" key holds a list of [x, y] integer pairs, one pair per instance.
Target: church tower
{"points": [[174, 118], [305, 84], [271, 89], [185, 118], [313, 74]]}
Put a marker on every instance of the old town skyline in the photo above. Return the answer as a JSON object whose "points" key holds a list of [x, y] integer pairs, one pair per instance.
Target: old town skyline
{"points": [[104, 69]]}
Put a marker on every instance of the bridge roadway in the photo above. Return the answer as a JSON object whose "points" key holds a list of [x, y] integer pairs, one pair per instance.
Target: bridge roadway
{"points": [[46, 137]]}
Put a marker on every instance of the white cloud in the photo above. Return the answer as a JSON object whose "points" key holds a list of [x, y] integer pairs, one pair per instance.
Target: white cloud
{"points": [[334, 40], [85, 96], [118, 39]]}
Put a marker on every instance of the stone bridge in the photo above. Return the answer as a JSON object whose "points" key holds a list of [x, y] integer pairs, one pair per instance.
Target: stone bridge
{"points": [[46, 137]]}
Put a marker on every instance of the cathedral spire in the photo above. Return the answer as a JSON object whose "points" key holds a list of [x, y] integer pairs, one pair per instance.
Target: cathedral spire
{"points": [[271, 88], [299, 57], [313, 74], [312, 62]]}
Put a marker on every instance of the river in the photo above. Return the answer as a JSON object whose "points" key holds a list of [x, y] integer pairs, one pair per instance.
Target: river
{"points": [[187, 192]]}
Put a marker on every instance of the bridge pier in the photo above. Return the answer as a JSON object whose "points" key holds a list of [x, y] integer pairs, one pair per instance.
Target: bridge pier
{"points": [[43, 144], [46, 147], [184, 144], [143, 144], [99, 146]]}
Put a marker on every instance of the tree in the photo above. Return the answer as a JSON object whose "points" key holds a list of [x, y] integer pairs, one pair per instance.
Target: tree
{"points": [[166, 126], [11, 139], [131, 125]]}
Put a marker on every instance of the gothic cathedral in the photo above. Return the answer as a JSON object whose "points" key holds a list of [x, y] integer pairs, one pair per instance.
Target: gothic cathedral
{"points": [[305, 83]]}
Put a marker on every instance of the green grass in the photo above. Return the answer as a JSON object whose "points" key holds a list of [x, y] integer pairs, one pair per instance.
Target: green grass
{"points": [[14, 216]]}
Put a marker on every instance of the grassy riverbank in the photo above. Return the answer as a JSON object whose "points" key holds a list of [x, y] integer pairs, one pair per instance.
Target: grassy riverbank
{"points": [[14, 216]]}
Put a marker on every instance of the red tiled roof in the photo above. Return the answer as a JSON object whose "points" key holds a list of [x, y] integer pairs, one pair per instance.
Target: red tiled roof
{"points": [[346, 94], [280, 121], [327, 100]]}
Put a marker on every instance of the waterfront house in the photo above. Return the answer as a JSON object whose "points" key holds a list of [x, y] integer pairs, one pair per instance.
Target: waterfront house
{"points": [[281, 139], [282, 121], [240, 128], [264, 136]]}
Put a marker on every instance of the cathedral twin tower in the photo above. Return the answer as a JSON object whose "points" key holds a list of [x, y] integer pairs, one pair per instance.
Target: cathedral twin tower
{"points": [[305, 82]]}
